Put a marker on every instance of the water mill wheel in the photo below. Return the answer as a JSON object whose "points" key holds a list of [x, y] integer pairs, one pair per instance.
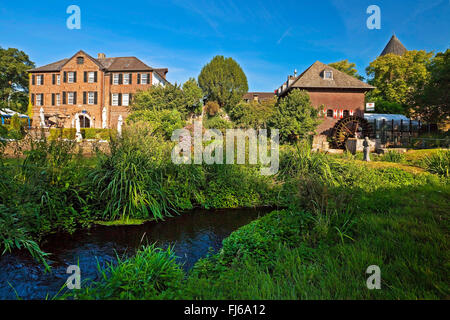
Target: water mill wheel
{"points": [[350, 127]]}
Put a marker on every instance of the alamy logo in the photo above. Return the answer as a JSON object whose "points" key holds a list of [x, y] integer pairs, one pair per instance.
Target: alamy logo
{"points": [[74, 20], [374, 281], [74, 280], [212, 152], [374, 21]]}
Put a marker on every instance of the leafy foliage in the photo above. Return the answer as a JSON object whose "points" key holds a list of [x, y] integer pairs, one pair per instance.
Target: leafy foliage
{"points": [[439, 163], [186, 99], [295, 116], [14, 64], [163, 122], [347, 67], [224, 81], [252, 114], [434, 101], [398, 78]]}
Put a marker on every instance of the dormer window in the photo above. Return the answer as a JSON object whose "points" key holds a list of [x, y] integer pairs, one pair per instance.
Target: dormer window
{"points": [[80, 60], [328, 75]]}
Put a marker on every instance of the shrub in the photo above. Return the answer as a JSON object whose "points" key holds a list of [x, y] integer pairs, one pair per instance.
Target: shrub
{"points": [[212, 108], [393, 156], [439, 163], [217, 122], [163, 122]]}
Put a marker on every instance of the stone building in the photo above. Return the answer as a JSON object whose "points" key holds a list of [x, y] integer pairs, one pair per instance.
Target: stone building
{"points": [[95, 90]]}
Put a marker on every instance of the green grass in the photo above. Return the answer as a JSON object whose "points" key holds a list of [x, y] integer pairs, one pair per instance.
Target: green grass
{"points": [[342, 217]]}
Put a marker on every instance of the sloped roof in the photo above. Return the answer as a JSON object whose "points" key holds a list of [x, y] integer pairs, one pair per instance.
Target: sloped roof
{"points": [[55, 66], [107, 64], [124, 64], [313, 78], [394, 46], [260, 95]]}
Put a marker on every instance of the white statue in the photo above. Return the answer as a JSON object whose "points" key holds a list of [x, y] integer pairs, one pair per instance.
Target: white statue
{"points": [[104, 120], [42, 117], [78, 135], [119, 126]]}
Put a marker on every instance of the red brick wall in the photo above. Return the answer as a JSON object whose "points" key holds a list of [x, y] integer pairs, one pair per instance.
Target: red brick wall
{"points": [[102, 87], [336, 99]]}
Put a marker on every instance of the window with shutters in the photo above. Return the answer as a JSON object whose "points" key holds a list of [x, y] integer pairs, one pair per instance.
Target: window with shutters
{"points": [[115, 99], [116, 78], [39, 99], [91, 77], [125, 99], [39, 80], [91, 97], [58, 79], [126, 78], [58, 99], [144, 78], [71, 77], [70, 98]]}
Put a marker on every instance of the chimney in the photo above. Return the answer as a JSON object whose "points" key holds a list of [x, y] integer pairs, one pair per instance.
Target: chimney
{"points": [[101, 56]]}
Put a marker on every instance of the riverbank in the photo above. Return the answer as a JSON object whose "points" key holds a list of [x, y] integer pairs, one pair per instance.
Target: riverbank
{"points": [[342, 217]]}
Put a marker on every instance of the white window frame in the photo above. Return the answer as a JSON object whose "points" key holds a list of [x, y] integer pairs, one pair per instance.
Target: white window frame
{"points": [[39, 80], [125, 99], [91, 77], [91, 97], [115, 99], [58, 79], [115, 78], [58, 99], [70, 97], [70, 77], [126, 78], [328, 72], [144, 76], [39, 99]]}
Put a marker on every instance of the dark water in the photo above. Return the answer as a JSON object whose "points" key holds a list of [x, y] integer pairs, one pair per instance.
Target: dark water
{"points": [[192, 234]]}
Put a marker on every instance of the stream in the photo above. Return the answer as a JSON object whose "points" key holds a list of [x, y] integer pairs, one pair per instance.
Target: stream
{"points": [[191, 234]]}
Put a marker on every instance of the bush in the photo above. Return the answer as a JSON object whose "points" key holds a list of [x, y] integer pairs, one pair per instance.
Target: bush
{"points": [[163, 122], [217, 122], [86, 133], [439, 163], [393, 156], [212, 108]]}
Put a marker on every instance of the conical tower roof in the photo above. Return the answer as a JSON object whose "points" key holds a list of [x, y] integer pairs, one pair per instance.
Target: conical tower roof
{"points": [[394, 46]]}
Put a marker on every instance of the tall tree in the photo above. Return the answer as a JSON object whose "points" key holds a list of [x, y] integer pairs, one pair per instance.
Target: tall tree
{"points": [[193, 95], [14, 64], [224, 81], [347, 67], [295, 116], [399, 78], [434, 101]]}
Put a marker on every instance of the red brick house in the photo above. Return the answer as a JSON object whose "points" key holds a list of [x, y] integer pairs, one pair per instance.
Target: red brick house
{"points": [[82, 86], [339, 93]]}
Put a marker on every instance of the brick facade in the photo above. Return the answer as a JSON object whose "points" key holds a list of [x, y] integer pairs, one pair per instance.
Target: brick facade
{"points": [[65, 113], [351, 101]]}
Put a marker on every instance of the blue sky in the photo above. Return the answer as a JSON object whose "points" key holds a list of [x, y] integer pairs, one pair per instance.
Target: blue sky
{"points": [[269, 39]]}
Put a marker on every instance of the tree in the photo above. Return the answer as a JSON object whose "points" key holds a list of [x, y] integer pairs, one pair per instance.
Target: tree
{"points": [[193, 96], [162, 122], [295, 116], [399, 78], [434, 101], [224, 81], [14, 79], [252, 114], [347, 67]]}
